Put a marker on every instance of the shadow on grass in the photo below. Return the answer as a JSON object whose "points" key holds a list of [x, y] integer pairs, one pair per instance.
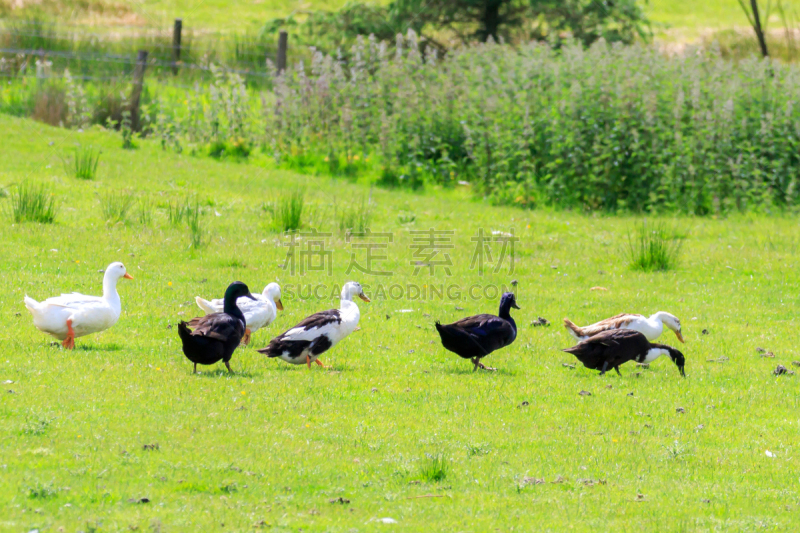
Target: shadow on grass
{"points": [[223, 372], [468, 370], [90, 347]]}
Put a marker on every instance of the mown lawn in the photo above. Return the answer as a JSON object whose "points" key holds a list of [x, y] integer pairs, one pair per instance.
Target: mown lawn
{"points": [[272, 445]]}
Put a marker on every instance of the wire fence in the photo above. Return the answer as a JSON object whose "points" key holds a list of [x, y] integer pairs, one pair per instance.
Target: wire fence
{"points": [[92, 56]]}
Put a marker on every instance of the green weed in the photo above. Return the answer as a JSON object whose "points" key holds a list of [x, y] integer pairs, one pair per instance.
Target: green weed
{"points": [[41, 491], [36, 424]]}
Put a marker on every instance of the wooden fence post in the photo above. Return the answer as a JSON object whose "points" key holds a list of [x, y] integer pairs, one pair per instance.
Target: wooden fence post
{"points": [[176, 45], [283, 43], [136, 93]]}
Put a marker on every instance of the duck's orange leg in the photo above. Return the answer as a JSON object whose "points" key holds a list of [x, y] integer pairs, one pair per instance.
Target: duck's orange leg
{"points": [[69, 342], [246, 338], [308, 361], [319, 363]]}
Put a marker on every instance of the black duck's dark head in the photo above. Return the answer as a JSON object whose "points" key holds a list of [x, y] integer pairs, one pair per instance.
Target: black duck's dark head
{"points": [[677, 358], [236, 290], [507, 301]]}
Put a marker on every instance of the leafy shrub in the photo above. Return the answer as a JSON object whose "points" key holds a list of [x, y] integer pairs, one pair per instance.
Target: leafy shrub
{"points": [[33, 203]]}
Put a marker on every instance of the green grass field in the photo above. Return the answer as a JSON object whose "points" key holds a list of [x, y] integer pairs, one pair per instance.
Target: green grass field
{"points": [[684, 15], [269, 447]]}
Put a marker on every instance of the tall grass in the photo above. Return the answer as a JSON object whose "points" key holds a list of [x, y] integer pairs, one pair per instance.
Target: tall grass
{"points": [[654, 246], [434, 468], [287, 210], [180, 211], [354, 217], [33, 203], [144, 211], [188, 211], [116, 205], [83, 163], [196, 232]]}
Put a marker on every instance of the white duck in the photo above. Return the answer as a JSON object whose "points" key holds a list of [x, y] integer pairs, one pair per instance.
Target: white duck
{"points": [[320, 332], [258, 313], [74, 315], [650, 327]]}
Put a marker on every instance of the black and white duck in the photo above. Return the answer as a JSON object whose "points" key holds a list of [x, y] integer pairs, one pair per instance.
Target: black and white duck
{"points": [[477, 336], [318, 333], [216, 335], [614, 347]]}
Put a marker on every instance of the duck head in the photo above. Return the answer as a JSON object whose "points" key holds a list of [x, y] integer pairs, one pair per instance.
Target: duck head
{"points": [[115, 271], [676, 356], [672, 322], [507, 301], [679, 360], [112, 274], [352, 289], [273, 292], [235, 290]]}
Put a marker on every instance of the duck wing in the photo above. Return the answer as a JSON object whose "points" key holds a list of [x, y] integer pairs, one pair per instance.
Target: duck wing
{"points": [[75, 300], [298, 338], [619, 321], [219, 326], [484, 333], [615, 346]]}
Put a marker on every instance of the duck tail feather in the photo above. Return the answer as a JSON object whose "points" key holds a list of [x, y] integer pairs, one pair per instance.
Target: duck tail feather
{"points": [[183, 330], [204, 304], [30, 303], [575, 331]]}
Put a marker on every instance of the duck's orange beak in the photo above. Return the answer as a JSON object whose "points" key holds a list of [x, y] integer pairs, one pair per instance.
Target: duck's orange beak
{"points": [[127, 276], [363, 297], [279, 304], [680, 337]]}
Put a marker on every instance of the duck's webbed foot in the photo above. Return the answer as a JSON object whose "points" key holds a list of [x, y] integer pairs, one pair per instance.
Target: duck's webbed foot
{"points": [[478, 364]]}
